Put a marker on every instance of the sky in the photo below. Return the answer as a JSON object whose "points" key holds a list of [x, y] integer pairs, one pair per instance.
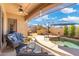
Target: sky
{"points": [[66, 15]]}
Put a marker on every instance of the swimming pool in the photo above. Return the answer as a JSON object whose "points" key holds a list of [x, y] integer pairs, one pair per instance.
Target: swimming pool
{"points": [[66, 43]]}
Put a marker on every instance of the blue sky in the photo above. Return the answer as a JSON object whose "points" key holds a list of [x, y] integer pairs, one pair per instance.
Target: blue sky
{"points": [[67, 15]]}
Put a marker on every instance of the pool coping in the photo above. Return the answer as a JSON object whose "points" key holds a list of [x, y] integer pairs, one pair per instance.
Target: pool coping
{"points": [[67, 38]]}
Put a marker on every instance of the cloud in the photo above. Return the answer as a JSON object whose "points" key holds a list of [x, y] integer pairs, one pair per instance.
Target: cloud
{"points": [[68, 10], [34, 24], [70, 19], [53, 17], [44, 18], [38, 20], [77, 4]]}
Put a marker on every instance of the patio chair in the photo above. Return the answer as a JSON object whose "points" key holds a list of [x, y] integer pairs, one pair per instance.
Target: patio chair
{"points": [[16, 39], [21, 49]]}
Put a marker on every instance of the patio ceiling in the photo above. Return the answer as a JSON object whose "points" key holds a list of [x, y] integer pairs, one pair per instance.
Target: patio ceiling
{"points": [[41, 7], [30, 9], [14, 7], [46, 8]]}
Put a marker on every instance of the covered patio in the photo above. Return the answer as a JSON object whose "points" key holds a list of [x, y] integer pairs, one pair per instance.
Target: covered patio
{"points": [[15, 16]]}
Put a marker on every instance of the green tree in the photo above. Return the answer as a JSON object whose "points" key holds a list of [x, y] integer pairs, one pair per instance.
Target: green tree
{"points": [[65, 31], [72, 31]]}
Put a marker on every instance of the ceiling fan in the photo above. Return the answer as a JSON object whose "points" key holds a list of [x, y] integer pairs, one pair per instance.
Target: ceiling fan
{"points": [[22, 11]]}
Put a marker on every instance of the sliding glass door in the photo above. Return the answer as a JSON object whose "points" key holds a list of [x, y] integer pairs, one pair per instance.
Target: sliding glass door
{"points": [[1, 28]]}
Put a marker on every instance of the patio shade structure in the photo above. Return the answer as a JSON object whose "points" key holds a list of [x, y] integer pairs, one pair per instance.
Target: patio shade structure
{"points": [[50, 9], [68, 23], [10, 10]]}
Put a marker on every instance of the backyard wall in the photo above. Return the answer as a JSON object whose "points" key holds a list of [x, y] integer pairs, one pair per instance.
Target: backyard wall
{"points": [[57, 31], [77, 32]]}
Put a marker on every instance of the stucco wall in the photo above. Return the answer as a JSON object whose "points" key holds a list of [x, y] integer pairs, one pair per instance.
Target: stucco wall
{"points": [[21, 24], [57, 31]]}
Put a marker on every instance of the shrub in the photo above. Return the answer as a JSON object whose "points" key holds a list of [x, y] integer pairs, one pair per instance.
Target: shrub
{"points": [[65, 31], [72, 31]]}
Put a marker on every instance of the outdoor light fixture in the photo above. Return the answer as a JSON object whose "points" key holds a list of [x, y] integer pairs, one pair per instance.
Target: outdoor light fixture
{"points": [[40, 13], [21, 10]]}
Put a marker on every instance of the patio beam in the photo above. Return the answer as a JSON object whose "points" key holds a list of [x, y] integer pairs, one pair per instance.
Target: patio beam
{"points": [[43, 7]]}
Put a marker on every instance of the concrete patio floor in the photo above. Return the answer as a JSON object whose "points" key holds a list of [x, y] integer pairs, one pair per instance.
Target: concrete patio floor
{"points": [[8, 53]]}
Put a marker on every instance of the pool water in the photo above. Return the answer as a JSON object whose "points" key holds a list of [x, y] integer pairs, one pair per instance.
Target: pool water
{"points": [[67, 43]]}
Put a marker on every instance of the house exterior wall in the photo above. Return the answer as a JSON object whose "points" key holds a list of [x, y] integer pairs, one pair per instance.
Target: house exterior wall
{"points": [[21, 24]]}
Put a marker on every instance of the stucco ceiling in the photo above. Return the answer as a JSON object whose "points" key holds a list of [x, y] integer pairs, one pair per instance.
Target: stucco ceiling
{"points": [[13, 8]]}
